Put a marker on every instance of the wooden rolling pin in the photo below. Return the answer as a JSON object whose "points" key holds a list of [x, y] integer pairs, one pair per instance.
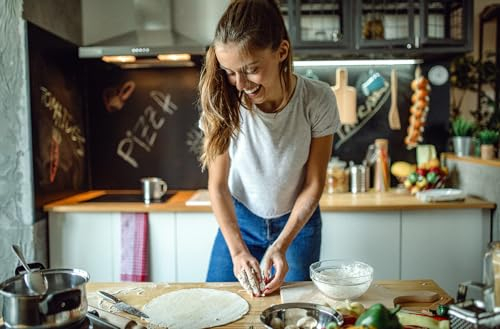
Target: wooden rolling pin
{"points": [[116, 320]]}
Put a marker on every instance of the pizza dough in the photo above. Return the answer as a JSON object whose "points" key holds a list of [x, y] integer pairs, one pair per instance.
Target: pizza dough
{"points": [[195, 308]]}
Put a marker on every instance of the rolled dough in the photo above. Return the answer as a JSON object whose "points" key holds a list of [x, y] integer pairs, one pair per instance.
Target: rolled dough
{"points": [[195, 308]]}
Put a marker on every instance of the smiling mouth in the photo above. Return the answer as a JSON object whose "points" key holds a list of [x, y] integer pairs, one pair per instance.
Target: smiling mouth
{"points": [[252, 91]]}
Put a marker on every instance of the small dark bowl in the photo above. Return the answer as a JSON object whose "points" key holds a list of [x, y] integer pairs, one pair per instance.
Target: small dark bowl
{"points": [[289, 313]]}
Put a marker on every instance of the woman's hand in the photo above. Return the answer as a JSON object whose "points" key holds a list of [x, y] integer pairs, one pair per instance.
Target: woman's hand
{"points": [[246, 269], [274, 257]]}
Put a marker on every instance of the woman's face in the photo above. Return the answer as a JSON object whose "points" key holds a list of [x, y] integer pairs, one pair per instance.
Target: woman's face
{"points": [[255, 73]]}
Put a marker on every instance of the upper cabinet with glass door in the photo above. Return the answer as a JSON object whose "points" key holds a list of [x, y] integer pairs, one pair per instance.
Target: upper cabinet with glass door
{"points": [[415, 25], [318, 24]]}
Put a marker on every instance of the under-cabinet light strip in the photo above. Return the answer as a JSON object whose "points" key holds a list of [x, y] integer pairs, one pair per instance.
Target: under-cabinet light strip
{"points": [[357, 62]]}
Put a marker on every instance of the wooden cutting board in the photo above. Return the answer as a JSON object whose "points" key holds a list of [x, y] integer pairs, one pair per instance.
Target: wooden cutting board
{"points": [[346, 98], [415, 300]]}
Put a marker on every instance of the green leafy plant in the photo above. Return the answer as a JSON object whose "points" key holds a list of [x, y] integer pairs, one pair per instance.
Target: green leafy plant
{"points": [[464, 78], [488, 137], [462, 127]]}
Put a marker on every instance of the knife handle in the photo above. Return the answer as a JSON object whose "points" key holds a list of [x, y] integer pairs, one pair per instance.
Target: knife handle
{"points": [[108, 296]]}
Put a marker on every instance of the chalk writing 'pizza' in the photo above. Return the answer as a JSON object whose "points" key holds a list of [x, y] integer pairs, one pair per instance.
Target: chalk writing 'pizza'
{"points": [[145, 130]]}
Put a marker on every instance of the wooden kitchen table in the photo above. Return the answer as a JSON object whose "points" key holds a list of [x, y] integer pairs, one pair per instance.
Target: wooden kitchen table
{"points": [[138, 294]]}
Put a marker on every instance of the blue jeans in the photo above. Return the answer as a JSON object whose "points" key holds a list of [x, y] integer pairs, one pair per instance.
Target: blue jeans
{"points": [[259, 233]]}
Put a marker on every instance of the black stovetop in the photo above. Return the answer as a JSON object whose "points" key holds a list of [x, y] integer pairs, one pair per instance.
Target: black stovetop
{"points": [[128, 198]]}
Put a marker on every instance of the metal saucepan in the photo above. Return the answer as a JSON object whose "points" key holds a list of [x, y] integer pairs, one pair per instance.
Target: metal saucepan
{"points": [[64, 303]]}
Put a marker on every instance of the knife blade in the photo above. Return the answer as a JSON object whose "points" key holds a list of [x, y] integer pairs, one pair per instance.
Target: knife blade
{"points": [[121, 305]]}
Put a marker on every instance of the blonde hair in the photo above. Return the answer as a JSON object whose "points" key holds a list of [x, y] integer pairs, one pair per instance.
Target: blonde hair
{"points": [[252, 25]]}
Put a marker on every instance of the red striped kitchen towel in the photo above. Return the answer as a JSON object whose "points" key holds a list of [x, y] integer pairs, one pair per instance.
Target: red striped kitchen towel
{"points": [[134, 243]]}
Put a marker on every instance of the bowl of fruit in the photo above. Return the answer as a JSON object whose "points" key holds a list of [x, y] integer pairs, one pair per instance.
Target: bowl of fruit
{"points": [[428, 175]]}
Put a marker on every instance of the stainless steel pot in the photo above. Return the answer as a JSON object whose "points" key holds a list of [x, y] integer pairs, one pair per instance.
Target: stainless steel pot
{"points": [[64, 303]]}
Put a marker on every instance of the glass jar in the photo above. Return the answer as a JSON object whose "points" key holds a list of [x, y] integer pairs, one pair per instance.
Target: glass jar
{"points": [[337, 177]]}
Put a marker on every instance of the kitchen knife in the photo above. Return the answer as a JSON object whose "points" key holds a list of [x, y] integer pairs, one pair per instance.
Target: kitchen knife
{"points": [[121, 305]]}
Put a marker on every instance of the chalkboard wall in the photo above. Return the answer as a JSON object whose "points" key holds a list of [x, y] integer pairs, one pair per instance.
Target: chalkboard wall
{"points": [[58, 126], [143, 122]]}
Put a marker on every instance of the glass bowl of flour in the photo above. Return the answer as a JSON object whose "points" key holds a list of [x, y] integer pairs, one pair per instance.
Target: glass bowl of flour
{"points": [[341, 279]]}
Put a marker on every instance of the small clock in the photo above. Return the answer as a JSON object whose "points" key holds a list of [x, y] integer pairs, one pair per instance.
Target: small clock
{"points": [[438, 75]]}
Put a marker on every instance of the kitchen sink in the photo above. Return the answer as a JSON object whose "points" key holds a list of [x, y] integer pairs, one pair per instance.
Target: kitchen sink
{"points": [[130, 197]]}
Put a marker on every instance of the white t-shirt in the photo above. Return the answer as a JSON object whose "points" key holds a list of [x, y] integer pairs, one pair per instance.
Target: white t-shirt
{"points": [[269, 154]]}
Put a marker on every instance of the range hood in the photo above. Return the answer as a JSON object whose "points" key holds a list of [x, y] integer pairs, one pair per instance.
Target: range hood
{"points": [[153, 35]]}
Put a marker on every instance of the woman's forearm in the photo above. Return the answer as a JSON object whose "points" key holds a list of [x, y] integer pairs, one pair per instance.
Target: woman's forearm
{"points": [[304, 207], [223, 208]]}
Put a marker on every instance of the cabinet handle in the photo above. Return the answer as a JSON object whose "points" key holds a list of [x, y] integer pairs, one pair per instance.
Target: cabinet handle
{"points": [[337, 36]]}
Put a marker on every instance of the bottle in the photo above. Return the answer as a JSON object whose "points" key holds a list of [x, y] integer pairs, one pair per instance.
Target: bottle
{"points": [[382, 178]]}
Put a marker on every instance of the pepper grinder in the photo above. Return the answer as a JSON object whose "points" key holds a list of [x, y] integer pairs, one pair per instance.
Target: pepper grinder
{"points": [[382, 179]]}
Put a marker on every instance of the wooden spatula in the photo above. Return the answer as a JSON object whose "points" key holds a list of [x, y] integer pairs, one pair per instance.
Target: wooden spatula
{"points": [[394, 121]]}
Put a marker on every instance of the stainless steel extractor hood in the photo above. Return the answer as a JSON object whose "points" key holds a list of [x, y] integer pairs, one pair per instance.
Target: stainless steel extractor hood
{"points": [[153, 35]]}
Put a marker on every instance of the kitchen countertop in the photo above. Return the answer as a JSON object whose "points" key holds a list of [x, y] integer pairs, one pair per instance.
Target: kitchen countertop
{"points": [[345, 202], [131, 295]]}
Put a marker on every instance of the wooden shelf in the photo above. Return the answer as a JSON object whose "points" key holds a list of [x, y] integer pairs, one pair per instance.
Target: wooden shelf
{"points": [[475, 160]]}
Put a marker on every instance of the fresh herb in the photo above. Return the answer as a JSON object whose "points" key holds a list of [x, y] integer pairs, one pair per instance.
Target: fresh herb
{"points": [[462, 127], [488, 137]]}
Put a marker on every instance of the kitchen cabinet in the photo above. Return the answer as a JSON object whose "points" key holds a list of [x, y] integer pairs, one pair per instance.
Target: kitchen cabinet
{"points": [[373, 238], [195, 236], [162, 247], [317, 24], [406, 25], [90, 242], [179, 244], [367, 27], [445, 245]]}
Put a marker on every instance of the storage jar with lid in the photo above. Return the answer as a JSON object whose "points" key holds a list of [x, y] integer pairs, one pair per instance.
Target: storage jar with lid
{"points": [[337, 177]]}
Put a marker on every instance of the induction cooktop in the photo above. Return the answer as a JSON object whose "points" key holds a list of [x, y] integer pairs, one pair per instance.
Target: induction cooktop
{"points": [[132, 197]]}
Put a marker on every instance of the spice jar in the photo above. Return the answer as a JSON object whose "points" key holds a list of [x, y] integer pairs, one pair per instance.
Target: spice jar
{"points": [[381, 176], [337, 177]]}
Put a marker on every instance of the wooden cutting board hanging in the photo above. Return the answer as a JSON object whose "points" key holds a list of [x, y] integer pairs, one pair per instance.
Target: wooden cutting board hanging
{"points": [[346, 98]]}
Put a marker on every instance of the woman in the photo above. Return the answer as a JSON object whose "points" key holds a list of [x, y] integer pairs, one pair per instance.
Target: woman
{"points": [[268, 136]]}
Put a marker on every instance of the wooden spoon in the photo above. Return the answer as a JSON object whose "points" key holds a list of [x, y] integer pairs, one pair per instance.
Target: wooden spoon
{"points": [[394, 121]]}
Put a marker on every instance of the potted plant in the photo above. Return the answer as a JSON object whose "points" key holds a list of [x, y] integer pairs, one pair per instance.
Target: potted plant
{"points": [[488, 138], [462, 130], [464, 79]]}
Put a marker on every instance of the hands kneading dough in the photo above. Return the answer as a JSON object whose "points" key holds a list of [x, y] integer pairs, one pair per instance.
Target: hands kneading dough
{"points": [[251, 282]]}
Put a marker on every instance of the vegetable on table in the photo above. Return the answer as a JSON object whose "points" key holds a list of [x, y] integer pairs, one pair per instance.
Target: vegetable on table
{"points": [[379, 317], [423, 320]]}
